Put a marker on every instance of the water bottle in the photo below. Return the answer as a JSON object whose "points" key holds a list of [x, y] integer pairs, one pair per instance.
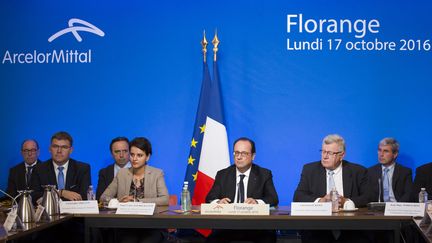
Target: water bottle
{"points": [[185, 198], [334, 196], [423, 196], [90, 193]]}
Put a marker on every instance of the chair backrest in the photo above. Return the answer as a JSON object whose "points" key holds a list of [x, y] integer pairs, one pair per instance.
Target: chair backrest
{"points": [[173, 200]]}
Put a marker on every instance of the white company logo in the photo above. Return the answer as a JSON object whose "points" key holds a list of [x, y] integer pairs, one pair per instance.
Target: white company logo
{"points": [[86, 26], [62, 56]]}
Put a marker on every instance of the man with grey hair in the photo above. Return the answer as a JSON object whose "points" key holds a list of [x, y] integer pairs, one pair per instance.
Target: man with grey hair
{"points": [[317, 180], [389, 181]]}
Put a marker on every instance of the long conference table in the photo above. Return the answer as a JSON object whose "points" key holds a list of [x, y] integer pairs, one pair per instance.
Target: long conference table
{"points": [[280, 218]]}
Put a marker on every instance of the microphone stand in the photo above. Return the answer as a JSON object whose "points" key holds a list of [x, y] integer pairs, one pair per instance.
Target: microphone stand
{"points": [[379, 190]]}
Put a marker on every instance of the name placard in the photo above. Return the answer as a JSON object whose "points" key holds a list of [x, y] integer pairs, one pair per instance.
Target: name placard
{"points": [[79, 207], [137, 208], [235, 209], [311, 209], [10, 220], [404, 209]]}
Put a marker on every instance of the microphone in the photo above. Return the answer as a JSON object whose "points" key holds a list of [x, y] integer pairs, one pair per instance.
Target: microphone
{"points": [[13, 198], [379, 190]]}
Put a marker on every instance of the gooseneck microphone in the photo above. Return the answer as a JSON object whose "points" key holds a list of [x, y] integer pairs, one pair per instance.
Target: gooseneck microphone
{"points": [[379, 190], [13, 198]]}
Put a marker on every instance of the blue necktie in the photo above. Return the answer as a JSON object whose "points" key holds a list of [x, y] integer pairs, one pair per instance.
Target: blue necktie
{"points": [[331, 183], [60, 178], [386, 185]]}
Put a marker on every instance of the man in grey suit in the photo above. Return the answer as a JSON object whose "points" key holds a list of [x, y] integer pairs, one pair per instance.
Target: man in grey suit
{"points": [[318, 179], [394, 179], [119, 148]]}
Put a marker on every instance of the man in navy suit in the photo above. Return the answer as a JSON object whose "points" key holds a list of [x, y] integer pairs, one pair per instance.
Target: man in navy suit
{"points": [[318, 179], [243, 182], [71, 177], [119, 148], [394, 179], [20, 175]]}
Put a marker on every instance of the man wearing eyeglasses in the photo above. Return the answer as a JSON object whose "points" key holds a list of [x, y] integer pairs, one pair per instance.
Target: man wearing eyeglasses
{"points": [[119, 148], [71, 177], [243, 182], [20, 175], [319, 178]]}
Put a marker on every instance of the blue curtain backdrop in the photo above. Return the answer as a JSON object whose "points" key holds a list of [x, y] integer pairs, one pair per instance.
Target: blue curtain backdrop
{"points": [[144, 79]]}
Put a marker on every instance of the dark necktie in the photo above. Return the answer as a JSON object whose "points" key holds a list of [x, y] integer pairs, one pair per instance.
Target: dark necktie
{"points": [[28, 175], [241, 190]]}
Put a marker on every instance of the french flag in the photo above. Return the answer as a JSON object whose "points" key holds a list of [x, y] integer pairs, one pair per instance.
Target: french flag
{"points": [[209, 151]]}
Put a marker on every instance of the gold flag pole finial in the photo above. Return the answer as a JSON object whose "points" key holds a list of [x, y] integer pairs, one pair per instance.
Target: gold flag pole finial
{"points": [[215, 42], [204, 43]]}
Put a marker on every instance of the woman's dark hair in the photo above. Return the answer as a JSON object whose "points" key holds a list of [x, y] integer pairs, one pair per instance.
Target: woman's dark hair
{"points": [[141, 143]]}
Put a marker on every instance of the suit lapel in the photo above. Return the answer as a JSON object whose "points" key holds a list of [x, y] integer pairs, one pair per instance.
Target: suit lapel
{"points": [[127, 185], [395, 177], [347, 180], [252, 182], [21, 174], [70, 174], [232, 180], [322, 177], [52, 179], [147, 180], [110, 175]]}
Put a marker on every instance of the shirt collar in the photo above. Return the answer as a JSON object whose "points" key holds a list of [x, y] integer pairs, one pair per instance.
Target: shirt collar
{"points": [[390, 167], [32, 165], [337, 170], [246, 173], [65, 165]]}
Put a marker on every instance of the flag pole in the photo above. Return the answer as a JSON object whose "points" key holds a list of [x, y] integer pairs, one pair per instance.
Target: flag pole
{"points": [[204, 43], [215, 43]]}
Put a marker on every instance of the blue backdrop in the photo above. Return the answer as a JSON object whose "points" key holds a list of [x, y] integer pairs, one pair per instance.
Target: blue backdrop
{"points": [[145, 73]]}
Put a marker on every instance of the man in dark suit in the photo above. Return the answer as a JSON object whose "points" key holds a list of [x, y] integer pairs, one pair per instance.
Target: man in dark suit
{"points": [[318, 179], [394, 179], [20, 175], [423, 179], [71, 177], [119, 148], [243, 182]]}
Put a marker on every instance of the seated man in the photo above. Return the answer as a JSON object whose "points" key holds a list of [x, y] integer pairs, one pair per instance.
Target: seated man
{"points": [[318, 179], [423, 179], [119, 148], [71, 177], [394, 179], [243, 182], [20, 175]]}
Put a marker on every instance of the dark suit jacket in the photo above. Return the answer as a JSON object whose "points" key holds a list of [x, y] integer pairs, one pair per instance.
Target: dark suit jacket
{"points": [[77, 178], [17, 180], [313, 183], [423, 178], [106, 175], [401, 183], [260, 185]]}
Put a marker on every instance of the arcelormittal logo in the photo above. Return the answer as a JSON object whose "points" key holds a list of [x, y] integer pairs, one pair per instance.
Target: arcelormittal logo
{"points": [[84, 26]]}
